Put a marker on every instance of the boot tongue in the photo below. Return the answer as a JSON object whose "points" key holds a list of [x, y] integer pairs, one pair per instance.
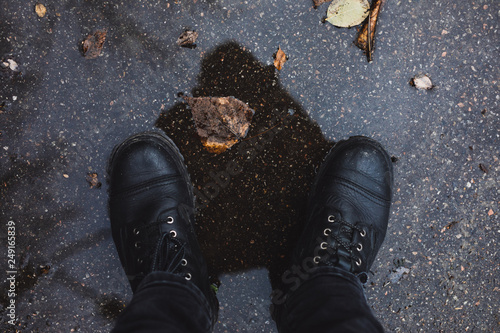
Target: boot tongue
{"points": [[345, 234], [169, 251], [335, 206], [168, 254]]}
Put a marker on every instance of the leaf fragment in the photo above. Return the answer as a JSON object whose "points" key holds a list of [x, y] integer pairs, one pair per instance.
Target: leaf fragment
{"points": [[40, 10], [92, 179], [93, 44], [366, 36], [220, 121], [483, 168], [347, 13], [422, 82], [318, 3], [398, 273], [279, 59], [12, 65], [188, 39]]}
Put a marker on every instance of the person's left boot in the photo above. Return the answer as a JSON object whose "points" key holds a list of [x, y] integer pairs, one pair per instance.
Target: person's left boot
{"points": [[151, 208]]}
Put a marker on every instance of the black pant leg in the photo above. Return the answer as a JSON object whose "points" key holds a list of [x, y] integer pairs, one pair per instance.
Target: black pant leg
{"points": [[165, 302], [329, 300]]}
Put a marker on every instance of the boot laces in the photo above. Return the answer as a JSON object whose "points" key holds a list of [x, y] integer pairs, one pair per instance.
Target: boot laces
{"points": [[167, 252], [342, 239]]}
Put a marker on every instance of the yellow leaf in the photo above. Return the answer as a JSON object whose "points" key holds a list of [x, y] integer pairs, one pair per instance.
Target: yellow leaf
{"points": [[279, 59], [347, 13], [40, 10]]}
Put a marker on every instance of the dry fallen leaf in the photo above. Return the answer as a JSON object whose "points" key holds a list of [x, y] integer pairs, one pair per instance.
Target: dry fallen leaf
{"points": [[40, 10], [44, 269], [398, 273], [92, 46], [483, 168], [366, 36], [220, 121], [347, 13], [318, 3], [422, 82], [12, 65], [279, 59], [93, 181], [188, 39]]}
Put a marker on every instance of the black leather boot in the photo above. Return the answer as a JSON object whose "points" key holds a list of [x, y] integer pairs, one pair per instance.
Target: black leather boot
{"points": [[348, 208], [151, 208]]}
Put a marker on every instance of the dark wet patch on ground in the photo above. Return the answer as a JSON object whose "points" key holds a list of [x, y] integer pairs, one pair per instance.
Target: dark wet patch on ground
{"points": [[251, 198]]}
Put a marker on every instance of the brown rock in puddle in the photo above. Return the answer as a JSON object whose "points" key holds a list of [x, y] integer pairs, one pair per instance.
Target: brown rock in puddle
{"points": [[220, 121]]}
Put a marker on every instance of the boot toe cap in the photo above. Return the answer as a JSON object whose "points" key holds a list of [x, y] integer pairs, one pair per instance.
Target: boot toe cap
{"points": [[141, 159]]}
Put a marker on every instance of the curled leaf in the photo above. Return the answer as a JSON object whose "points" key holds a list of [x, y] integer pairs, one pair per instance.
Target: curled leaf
{"points": [[398, 273], [318, 3], [279, 59], [366, 36], [220, 121], [188, 39], [92, 46], [347, 13], [92, 179], [13, 65], [483, 168], [40, 10], [422, 82]]}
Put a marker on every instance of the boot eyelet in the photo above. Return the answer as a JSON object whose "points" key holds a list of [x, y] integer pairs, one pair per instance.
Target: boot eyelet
{"points": [[324, 245], [188, 276], [327, 231], [137, 245], [363, 233], [173, 233], [170, 220], [136, 231], [316, 259], [184, 262], [358, 262], [359, 247], [331, 218]]}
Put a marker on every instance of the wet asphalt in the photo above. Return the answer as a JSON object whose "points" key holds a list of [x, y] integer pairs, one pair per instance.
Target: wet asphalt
{"points": [[61, 114]]}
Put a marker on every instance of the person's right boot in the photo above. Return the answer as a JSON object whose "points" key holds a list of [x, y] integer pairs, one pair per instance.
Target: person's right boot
{"points": [[348, 208], [151, 208]]}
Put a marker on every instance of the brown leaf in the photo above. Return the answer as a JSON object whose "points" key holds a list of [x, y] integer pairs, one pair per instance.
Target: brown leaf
{"points": [[422, 82], [366, 36], [91, 178], [318, 3], [279, 59], [44, 269], [483, 168], [220, 121], [187, 39], [92, 46], [40, 10]]}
